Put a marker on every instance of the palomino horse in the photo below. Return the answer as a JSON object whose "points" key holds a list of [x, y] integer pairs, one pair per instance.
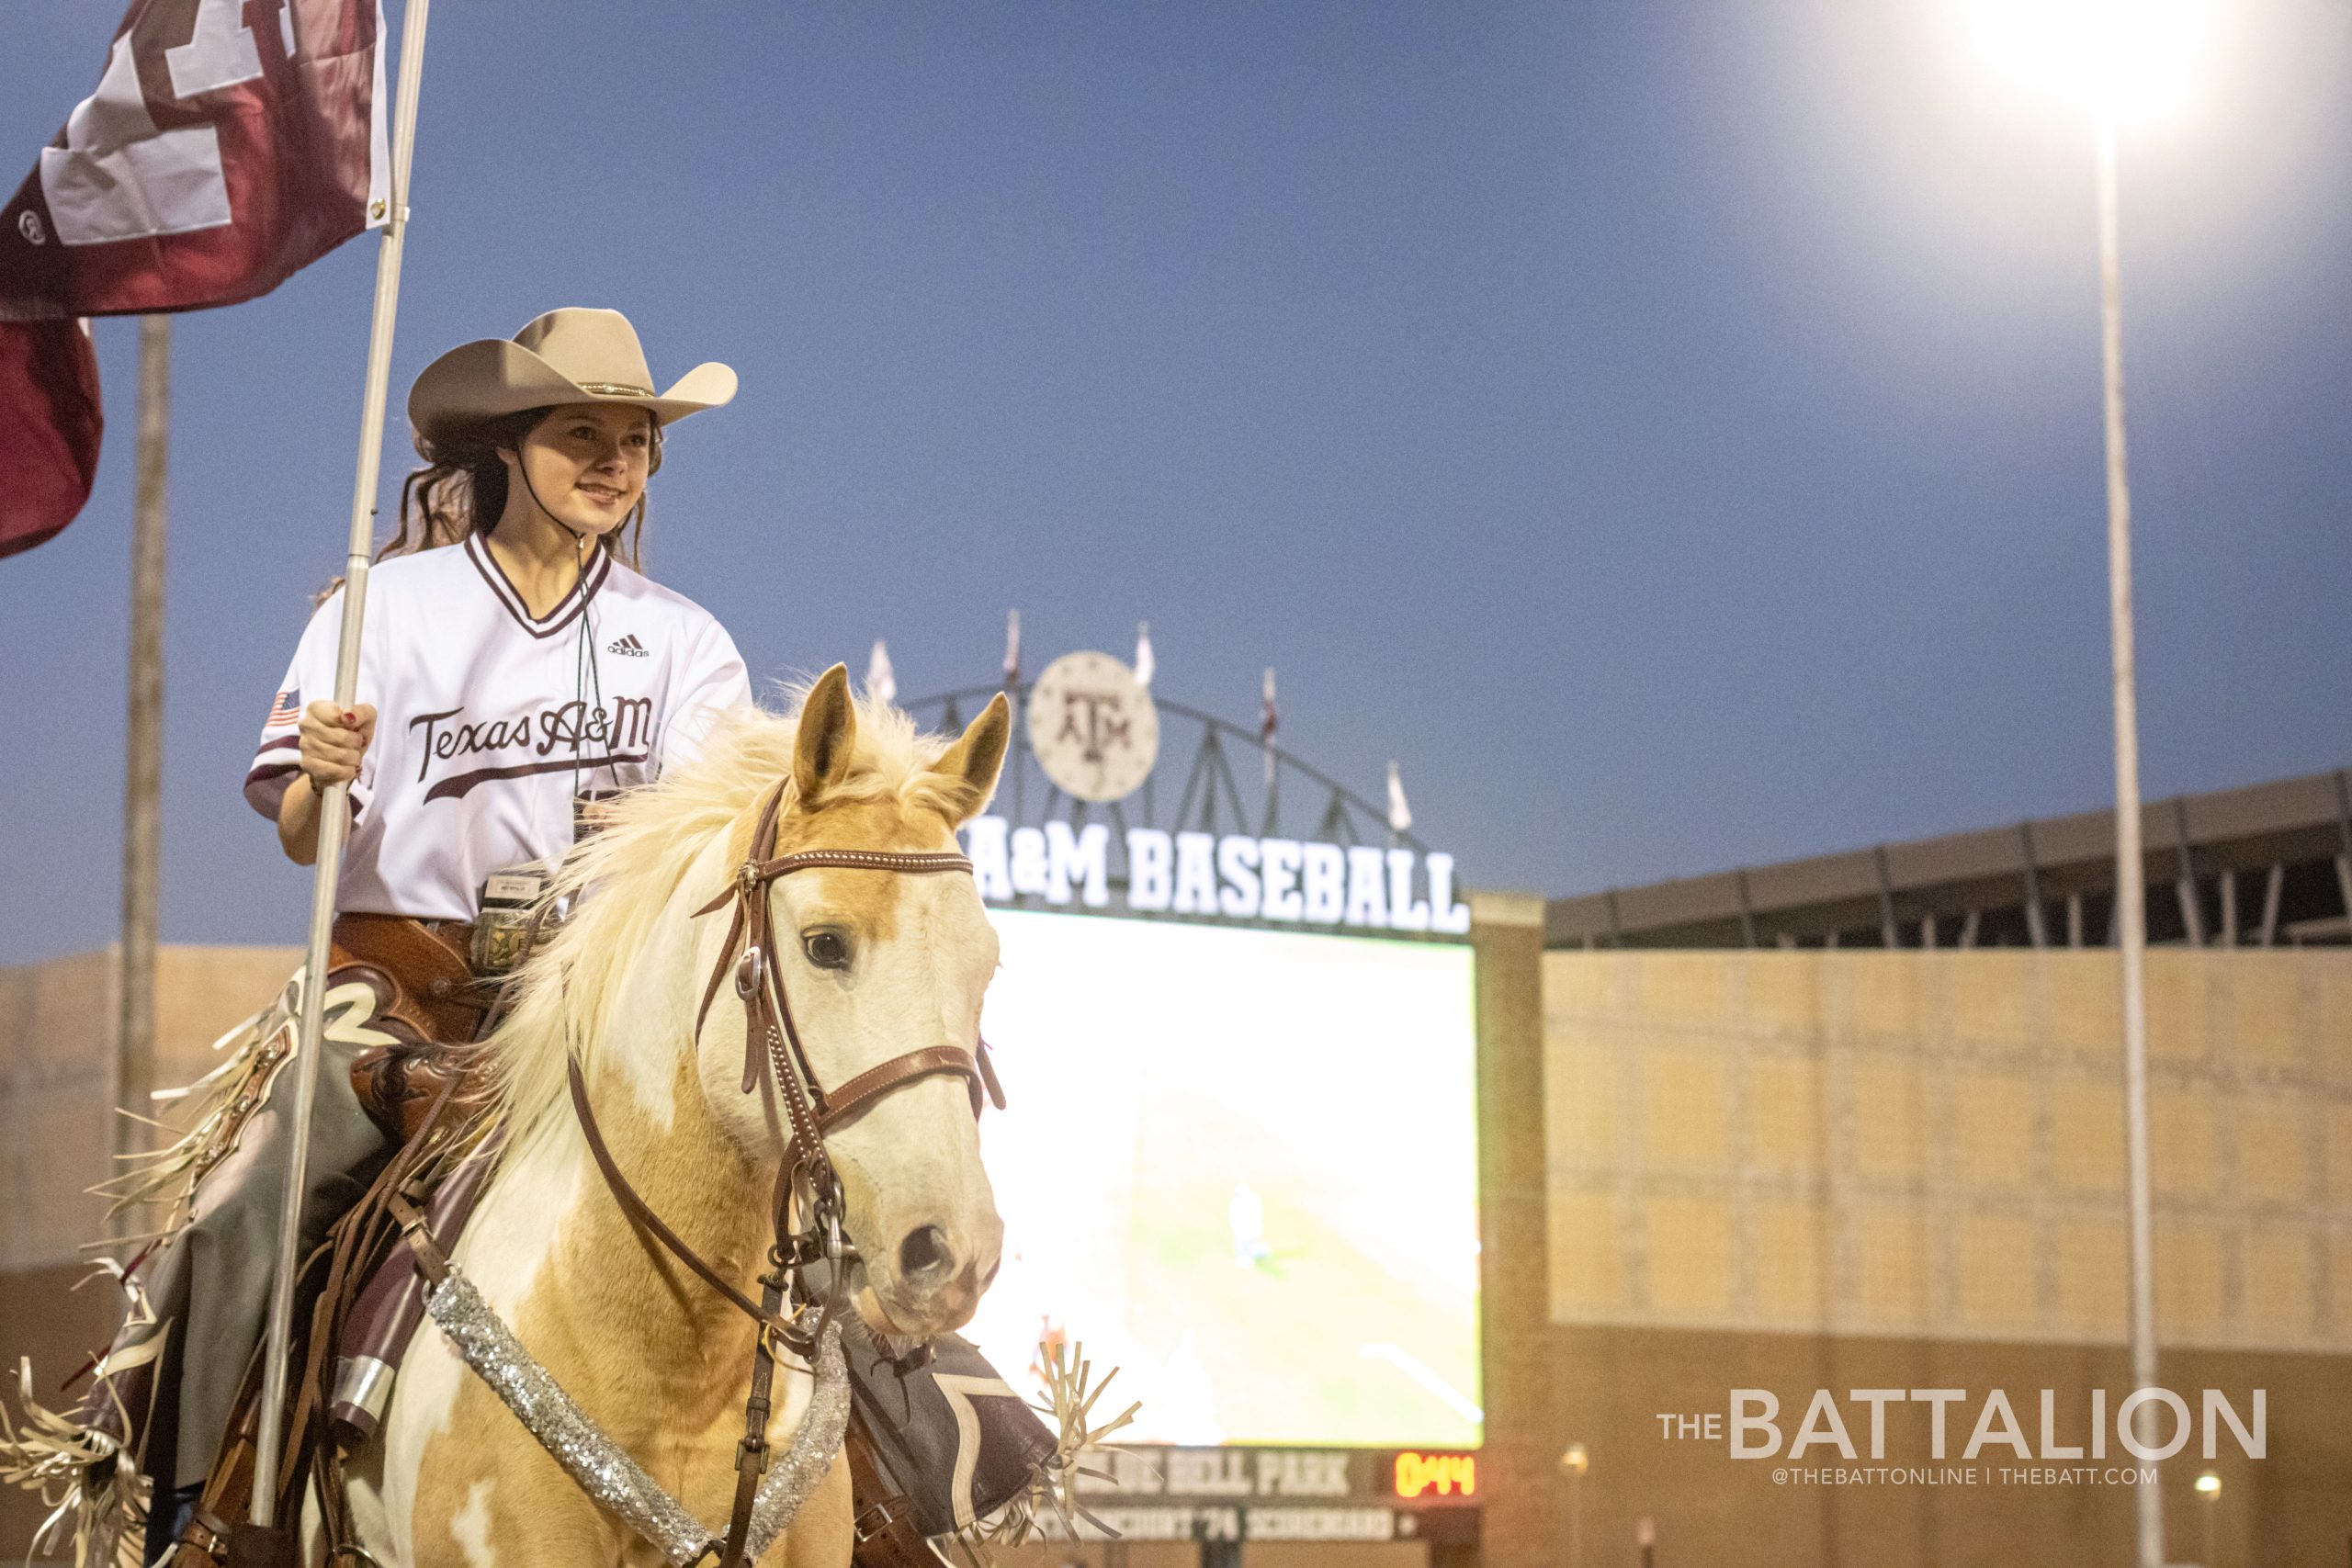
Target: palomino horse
{"points": [[874, 965]]}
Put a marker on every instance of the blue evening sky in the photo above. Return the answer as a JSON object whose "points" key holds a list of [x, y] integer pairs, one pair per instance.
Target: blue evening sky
{"points": [[1671, 431]]}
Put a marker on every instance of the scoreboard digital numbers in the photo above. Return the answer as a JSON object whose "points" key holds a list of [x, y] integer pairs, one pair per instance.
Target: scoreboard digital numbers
{"points": [[1436, 1475]]}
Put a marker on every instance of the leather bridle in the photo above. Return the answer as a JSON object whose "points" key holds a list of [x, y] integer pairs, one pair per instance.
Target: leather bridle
{"points": [[772, 1039]]}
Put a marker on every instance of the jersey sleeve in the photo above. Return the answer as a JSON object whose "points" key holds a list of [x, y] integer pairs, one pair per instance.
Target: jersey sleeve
{"points": [[309, 678], [711, 683]]}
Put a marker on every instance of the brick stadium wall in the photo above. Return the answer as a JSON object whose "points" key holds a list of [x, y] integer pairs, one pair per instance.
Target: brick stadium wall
{"points": [[56, 1141], [1801, 1170]]}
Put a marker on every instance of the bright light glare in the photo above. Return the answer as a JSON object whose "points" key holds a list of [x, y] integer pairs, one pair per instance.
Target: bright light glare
{"points": [[2124, 59]]}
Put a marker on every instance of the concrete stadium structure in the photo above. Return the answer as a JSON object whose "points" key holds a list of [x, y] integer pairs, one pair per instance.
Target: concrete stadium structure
{"points": [[2269, 865], [1771, 1157], [1793, 1172]]}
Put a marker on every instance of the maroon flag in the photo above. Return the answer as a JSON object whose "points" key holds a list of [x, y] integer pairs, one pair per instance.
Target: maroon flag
{"points": [[228, 143], [49, 425]]}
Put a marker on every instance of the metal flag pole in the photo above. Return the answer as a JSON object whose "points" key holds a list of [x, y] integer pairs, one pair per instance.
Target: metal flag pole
{"points": [[2130, 898], [334, 817]]}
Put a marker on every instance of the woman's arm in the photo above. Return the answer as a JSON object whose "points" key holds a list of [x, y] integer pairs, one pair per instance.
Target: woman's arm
{"points": [[333, 743], [709, 682]]}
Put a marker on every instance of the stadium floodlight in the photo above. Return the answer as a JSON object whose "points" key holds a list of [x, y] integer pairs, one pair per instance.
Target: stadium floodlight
{"points": [[2125, 60], [2121, 61]]}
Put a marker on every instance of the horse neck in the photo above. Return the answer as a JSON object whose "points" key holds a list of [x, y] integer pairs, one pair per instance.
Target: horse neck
{"points": [[626, 1298]]}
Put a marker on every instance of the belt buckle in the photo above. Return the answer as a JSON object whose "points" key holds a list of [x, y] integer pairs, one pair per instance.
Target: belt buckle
{"points": [[882, 1516]]}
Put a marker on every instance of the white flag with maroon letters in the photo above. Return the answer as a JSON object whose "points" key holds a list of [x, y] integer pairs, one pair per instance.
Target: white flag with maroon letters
{"points": [[228, 143]]}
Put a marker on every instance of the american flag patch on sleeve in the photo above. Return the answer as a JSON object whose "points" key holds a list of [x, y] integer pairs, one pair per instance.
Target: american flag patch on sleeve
{"points": [[286, 709]]}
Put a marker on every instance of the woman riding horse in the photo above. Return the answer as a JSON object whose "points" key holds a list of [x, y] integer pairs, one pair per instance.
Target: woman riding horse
{"points": [[516, 669], [516, 666]]}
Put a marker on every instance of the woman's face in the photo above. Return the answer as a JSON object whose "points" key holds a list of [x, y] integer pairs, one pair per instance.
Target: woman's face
{"points": [[587, 462]]}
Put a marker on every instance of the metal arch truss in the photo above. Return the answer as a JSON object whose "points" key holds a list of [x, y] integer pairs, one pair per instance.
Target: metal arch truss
{"points": [[1285, 793]]}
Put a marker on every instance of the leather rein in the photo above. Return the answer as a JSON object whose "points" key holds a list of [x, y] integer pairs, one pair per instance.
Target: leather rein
{"points": [[772, 1040]]}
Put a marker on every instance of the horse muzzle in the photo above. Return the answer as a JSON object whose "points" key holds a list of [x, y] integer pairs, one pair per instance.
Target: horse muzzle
{"points": [[930, 1280]]}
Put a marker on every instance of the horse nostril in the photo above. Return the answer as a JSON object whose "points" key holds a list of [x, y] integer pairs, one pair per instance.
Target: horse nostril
{"points": [[925, 1252]]}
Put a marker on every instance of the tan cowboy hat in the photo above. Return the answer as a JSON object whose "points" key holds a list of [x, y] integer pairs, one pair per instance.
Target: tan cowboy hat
{"points": [[572, 355]]}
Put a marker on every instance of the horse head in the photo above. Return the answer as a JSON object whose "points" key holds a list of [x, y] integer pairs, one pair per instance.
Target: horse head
{"points": [[873, 964], [876, 964]]}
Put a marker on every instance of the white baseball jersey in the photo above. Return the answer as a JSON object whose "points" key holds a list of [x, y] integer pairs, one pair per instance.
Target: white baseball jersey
{"points": [[489, 719]]}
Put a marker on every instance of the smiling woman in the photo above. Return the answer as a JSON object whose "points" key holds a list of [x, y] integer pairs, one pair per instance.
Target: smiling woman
{"points": [[537, 449], [583, 465]]}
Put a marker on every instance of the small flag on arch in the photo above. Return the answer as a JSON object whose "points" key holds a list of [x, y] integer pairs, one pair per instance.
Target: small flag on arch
{"points": [[881, 681], [1400, 815], [1267, 722], [1146, 665], [1013, 647]]}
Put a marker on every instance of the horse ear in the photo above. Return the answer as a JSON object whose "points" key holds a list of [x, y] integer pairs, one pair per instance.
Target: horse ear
{"points": [[826, 737], [971, 765]]}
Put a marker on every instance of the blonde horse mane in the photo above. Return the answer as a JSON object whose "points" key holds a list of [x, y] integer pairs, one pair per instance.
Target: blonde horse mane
{"points": [[626, 875]]}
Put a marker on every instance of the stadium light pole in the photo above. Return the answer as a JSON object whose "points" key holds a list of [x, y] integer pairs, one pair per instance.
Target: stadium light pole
{"points": [[2131, 868], [2122, 60]]}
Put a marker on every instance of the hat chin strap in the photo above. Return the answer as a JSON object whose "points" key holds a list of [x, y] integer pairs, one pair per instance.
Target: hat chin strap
{"points": [[579, 535]]}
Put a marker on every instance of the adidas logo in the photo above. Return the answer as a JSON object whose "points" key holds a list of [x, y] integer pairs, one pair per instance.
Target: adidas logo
{"points": [[629, 646]]}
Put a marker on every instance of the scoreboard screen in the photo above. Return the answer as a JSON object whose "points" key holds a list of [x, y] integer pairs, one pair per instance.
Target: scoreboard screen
{"points": [[1240, 1166]]}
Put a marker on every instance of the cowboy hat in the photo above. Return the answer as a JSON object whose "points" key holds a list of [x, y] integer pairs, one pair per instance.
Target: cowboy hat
{"points": [[572, 355]]}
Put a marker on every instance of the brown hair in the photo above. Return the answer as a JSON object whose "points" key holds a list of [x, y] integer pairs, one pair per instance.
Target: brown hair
{"points": [[461, 490]]}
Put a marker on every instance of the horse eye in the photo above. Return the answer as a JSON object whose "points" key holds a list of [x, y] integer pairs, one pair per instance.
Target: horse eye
{"points": [[826, 950]]}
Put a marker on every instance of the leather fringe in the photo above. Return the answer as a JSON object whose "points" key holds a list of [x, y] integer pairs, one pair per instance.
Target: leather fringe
{"points": [[1048, 1507], [210, 1118], [91, 1485]]}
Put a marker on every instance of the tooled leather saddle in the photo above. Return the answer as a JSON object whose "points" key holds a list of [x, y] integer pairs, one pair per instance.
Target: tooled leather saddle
{"points": [[427, 998]]}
